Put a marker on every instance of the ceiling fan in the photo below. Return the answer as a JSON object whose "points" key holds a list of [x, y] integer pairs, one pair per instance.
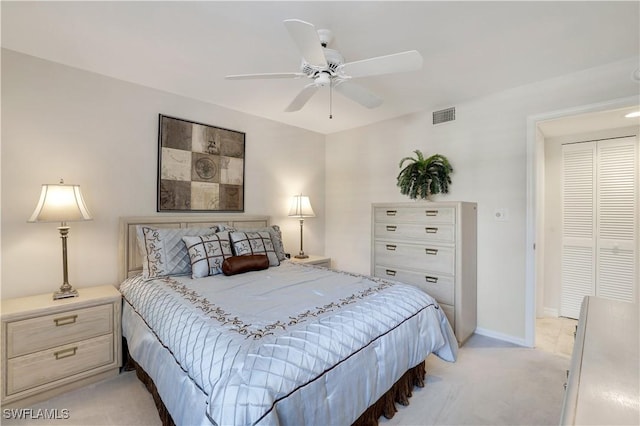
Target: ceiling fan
{"points": [[326, 67]]}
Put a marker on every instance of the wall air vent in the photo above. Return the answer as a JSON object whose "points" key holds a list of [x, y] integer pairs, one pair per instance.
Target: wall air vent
{"points": [[444, 115]]}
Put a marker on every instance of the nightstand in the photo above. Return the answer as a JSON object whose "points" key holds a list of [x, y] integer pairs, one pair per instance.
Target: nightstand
{"points": [[53, 346], [314, 260]]}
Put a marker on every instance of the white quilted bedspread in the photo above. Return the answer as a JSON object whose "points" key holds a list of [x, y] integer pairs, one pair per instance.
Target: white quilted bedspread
{"points": [[293, 344]]}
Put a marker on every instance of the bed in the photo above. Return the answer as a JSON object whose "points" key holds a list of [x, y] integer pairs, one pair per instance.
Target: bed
{"points": [[279, 344]]}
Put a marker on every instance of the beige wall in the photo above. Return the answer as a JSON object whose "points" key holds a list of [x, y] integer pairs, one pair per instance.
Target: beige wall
{"points": [[102, 133], [487, 145]]}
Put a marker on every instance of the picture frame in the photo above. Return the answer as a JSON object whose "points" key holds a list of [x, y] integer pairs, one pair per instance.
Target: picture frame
{"points": [[200, 167]]}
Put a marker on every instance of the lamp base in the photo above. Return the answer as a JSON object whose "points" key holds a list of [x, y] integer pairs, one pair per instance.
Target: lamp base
{"points": [[301, 256], [65, 294]]}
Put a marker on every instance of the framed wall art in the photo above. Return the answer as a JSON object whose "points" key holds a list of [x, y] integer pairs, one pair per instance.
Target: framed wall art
{"points": [[200, 167]]}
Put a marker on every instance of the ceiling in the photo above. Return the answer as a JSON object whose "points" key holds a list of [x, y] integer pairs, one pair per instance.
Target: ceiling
{"points": [[470, 49]]}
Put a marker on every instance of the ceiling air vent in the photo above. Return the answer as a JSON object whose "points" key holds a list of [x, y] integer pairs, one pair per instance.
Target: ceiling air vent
{"points": [[444, 115]]}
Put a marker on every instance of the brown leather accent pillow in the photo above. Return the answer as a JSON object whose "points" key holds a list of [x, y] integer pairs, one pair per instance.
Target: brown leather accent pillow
{"points": [[249, 262]]}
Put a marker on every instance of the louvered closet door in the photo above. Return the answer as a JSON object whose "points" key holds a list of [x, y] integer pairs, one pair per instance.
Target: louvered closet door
{"points": [[578, 225], [617, 232], [600, 222]]}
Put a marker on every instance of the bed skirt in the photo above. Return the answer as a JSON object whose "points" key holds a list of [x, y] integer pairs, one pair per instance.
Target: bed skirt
{"points": [[142, 375], [400, 392]]}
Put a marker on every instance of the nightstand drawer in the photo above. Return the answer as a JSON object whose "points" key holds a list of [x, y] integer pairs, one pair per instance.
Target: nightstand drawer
{"points": [[35, 334], [439, 287], [63, 361]]}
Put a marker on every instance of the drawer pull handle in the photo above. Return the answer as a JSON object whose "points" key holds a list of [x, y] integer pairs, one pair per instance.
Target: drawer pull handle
{"points": [[431, 279], [431, 212], [65, 353], [391, 247], [431, 230], [65, 320], [391, 228], [391, 212], [391, 272], [431, 251]]}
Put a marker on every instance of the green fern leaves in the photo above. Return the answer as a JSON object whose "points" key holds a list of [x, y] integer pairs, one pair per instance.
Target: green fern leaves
{"points": [[423, 177]]}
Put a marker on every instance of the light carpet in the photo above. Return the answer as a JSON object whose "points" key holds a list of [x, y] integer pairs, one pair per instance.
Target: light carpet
{"points": [[492, 383]]}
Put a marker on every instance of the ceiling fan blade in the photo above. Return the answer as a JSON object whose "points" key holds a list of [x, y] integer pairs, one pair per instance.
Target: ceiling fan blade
{"points": [[397, 62], [359, 94], [306, 38], [302, 98], [266, 75]]}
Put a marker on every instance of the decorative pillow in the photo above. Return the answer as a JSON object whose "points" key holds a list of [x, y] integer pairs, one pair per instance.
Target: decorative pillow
{"points": [[274, 232], [254, 243], [207, 253], [240, 264], [163, 251]]}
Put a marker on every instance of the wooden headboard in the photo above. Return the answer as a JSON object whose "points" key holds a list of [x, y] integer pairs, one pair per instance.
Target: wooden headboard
{"points": [[129, 259]]}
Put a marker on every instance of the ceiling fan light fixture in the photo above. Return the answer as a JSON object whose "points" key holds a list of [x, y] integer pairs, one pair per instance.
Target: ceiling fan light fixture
{"points": [[325, 36], [323, 79]]}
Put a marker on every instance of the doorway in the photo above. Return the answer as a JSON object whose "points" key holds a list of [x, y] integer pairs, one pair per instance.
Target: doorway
{"points": [[597, 119]]}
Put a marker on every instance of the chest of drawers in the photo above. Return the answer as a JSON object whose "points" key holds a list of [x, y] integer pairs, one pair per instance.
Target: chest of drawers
{"points": [[603, 386], [431, 245], [49, 347]]}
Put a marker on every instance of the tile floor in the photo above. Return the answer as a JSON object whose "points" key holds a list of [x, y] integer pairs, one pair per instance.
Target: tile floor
{"points": [[555, 335]]}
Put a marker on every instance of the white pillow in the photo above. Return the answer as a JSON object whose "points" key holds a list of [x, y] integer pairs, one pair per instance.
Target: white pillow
{"points": [[254, 243], [163, 251], [207, 252]]}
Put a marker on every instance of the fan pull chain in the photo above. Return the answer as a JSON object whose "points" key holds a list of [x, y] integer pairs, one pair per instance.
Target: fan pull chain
{"points": [[330, 99]]}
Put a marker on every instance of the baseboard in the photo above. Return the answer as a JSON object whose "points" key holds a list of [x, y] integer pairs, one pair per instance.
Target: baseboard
{"points": [[500, 336], [550, 313]]}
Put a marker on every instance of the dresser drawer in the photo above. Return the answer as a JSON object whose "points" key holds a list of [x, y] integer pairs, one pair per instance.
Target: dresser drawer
{"points": [[443, 233], [439, 286], [42, 367], [35, 334], [415, 256], [421, 214]]}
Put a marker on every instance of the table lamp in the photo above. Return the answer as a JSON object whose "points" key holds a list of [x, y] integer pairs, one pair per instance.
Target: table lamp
{"points": [[61, 203], [301, 208]]}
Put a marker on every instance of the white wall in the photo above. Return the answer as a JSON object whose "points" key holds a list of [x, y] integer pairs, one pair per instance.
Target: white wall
{"points": [[487, 147], [102, 133]]}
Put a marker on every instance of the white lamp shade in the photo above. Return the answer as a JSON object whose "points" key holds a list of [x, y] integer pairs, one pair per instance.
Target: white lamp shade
{"points": [[60, 203], [301, 207]]}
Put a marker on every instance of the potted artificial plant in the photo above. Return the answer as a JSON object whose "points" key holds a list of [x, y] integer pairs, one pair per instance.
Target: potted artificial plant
{"points": [[423, 177]]}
